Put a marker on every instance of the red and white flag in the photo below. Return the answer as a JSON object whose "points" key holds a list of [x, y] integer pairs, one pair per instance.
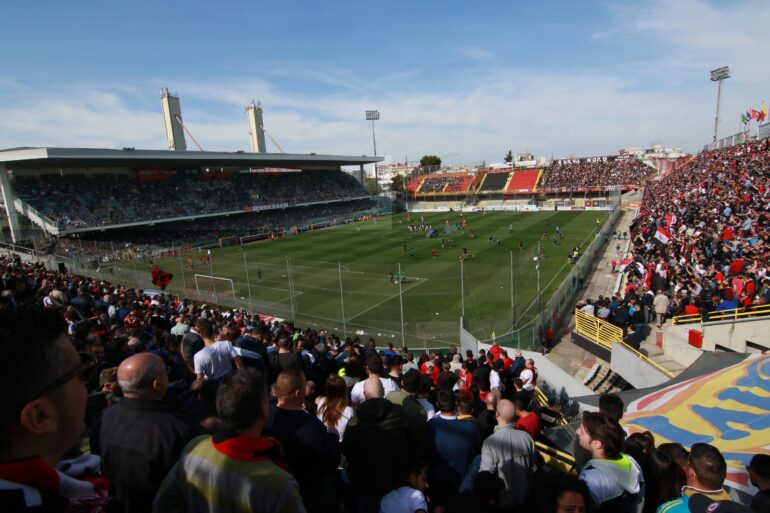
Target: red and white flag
{"points": [[624, 263], [663, 235], [670, 220]]}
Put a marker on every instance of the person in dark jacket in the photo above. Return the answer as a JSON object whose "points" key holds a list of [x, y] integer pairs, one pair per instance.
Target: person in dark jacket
{"points": [[375, 445], [312, 453], [140, 438]]}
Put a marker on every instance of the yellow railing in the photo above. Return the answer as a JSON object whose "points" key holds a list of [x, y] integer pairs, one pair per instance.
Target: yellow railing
{"points": [[725, 315], [555, 458], [599, 331], [605, 333]]}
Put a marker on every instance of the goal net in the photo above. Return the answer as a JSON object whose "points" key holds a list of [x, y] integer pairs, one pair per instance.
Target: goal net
{"points": [[214, 285]]}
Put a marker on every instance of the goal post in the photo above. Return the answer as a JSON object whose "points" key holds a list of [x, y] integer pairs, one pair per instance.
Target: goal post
{"points": [[225, 284]]}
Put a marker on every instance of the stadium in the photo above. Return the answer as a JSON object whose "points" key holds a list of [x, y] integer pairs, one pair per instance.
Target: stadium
{"points": [[641, 275]]}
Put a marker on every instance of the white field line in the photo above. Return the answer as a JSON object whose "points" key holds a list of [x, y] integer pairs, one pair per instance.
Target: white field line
{"points": [[419, 282], [534, 301]]}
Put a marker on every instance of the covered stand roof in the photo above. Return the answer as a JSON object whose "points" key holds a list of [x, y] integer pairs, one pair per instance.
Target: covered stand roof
{"points": [[19, 158]]}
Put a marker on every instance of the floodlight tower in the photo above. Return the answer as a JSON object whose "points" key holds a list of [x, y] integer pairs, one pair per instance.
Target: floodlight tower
{"points": [[172, 117], [256, 127], [717, 75], [374, 115]]}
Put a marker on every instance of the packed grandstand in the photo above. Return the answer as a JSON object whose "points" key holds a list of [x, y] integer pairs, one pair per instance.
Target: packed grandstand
{"points": [[194, 406]]}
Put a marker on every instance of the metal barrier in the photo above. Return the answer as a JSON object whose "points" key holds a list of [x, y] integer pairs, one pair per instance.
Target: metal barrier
{"points": [[597, 330], [733, 314], [605, 334], [555, 458]]}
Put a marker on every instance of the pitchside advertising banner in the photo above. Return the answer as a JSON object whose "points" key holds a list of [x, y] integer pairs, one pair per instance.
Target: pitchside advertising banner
{"points": [[259, 208], [592, 160]]}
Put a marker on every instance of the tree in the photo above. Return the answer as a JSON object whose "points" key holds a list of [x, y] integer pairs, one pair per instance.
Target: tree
{"points": [[509, 157], [398, 184], [371, 186], [431, 161]]}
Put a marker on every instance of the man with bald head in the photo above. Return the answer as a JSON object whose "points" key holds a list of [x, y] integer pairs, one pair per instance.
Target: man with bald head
{"points": [[375, 445], [141, 437], [509, 453]]}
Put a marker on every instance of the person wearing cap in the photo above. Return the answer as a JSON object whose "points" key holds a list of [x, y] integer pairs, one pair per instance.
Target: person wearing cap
{"points": [[759, 475], [706, 472]]}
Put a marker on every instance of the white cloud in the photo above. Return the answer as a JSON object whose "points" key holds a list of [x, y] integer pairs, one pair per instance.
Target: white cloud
{"points": [[661, 95]]}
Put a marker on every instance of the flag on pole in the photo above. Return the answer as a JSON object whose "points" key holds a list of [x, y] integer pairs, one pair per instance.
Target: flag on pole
{"points": [[663, 235], [763, 112], [754, 114], [743, 119]]}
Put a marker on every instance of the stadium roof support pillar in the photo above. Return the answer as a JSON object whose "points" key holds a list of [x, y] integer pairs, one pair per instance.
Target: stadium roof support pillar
{"points": [[10, 210]]}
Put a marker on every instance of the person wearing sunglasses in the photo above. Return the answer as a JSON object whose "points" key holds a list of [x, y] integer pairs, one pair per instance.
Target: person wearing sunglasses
{"points": [[42, 415]]}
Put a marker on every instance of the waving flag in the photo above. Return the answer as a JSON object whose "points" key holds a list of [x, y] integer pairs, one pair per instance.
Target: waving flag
{"points": [[743, 119], [754, 114], [663, 235], [763, 112], [160, 278]]}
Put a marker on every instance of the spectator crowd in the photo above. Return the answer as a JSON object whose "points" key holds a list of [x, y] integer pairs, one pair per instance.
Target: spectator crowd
{"points": [[76, 201], [191, 407], [582, 175], [701, 239]]}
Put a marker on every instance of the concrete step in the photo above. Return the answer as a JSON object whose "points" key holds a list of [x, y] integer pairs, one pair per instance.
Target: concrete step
{"points": [[668, 364]]}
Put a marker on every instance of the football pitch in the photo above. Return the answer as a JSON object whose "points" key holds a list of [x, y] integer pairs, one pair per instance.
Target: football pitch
{"points": [[344, 278]]}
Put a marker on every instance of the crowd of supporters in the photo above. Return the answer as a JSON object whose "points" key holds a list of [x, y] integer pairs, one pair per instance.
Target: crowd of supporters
{"points": [[191, 407], [450, 183], [701, 237], [124, 243], [588, 175], [75, 201]]}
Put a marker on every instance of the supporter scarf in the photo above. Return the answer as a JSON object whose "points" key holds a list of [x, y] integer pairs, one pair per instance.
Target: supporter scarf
{"points": [[247, 447], [90, 494]]}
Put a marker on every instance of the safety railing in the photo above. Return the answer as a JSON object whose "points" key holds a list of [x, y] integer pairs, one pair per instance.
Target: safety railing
{"points": [[605, 334], [724, 315], [555, 458], [599, 331]]}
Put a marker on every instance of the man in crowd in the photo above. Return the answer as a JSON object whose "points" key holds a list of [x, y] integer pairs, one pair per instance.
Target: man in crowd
{"points": [[759, 475], [452, 444], [217, 356], [613, 478], [312, 453], [706, 471], [376, 372], [526, 420], [510, 454], [236, 470], [44, 415], [140, 438], [375, 445]]}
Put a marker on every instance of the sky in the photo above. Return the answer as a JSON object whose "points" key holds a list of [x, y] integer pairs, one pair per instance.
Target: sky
{"points": [[467, 81]]}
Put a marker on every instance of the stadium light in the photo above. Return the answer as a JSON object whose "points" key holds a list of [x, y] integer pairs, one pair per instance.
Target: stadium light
{"points": [[718, 75], [374, 115]]}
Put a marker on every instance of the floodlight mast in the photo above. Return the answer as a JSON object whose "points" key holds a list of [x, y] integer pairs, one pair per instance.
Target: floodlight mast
{"points": [[374, 115], [718, 75]]}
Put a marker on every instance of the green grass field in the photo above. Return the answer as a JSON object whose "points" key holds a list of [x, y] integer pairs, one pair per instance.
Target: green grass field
{"points": [[358, 258]]}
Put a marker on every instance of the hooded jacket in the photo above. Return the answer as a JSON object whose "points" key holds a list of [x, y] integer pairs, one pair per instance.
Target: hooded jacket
{"points": [[615, 485]]}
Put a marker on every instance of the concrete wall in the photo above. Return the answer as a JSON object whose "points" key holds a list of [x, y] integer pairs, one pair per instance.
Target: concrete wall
{"points": [[635, 370], [731, 335]]}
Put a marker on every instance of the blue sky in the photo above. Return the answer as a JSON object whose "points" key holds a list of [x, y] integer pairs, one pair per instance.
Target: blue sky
{"points": [[465, 80]]}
